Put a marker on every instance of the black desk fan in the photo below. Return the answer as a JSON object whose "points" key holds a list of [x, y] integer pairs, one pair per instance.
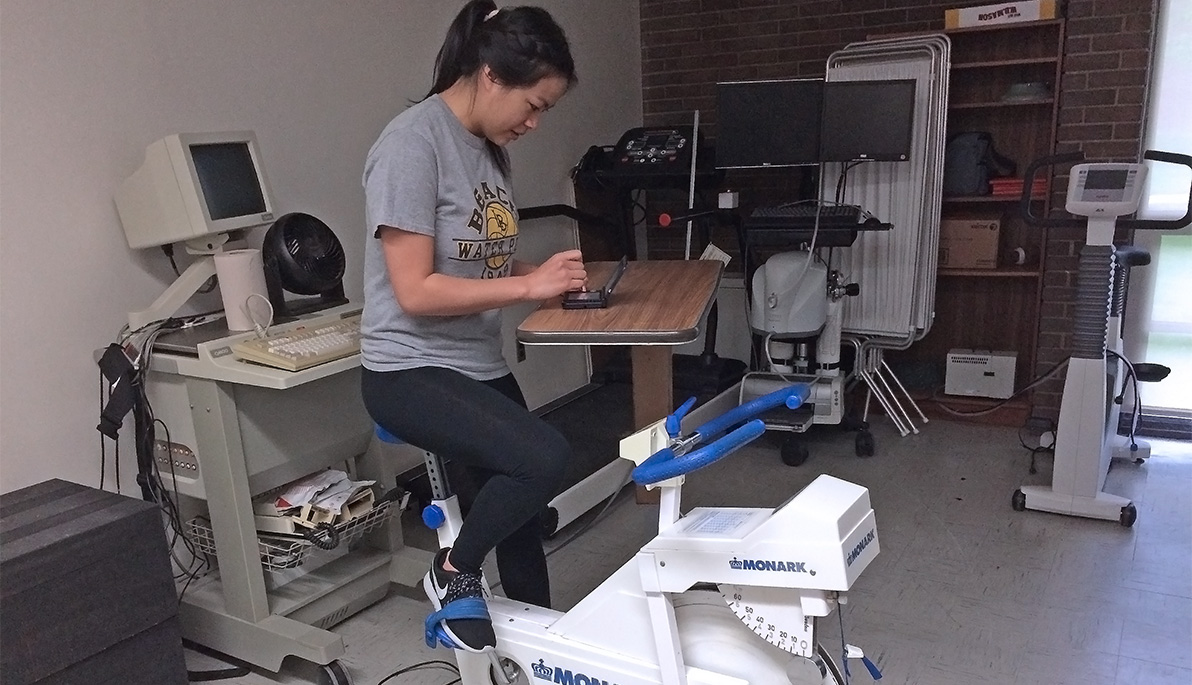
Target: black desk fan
{"points": [[303, 256]]}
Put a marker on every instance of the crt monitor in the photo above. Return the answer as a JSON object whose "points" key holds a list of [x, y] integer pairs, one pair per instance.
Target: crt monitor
{"points": [[774, 123], [194, 185], [867, 120]]}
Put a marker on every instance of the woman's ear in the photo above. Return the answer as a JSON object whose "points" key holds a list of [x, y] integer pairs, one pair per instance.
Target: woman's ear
{"points": [[488, 78]]}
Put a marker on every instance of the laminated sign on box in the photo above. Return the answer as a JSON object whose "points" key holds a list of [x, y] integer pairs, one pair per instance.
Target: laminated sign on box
{"points": [[969, 243], [1000, 13]]}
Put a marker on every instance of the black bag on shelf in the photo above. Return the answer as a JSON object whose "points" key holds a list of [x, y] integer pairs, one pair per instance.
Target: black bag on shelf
{"points": [[970, 161]]}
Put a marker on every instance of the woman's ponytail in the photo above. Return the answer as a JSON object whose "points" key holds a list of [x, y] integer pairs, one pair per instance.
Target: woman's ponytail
{"points": [[458, 55]]}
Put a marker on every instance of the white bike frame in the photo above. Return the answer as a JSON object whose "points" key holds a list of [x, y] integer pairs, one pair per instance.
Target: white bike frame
{"points": [[625, 631]]}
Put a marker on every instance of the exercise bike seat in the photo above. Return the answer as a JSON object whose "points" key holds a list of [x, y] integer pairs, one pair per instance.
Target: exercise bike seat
{"points": [[1150, 373], [1131, 255]]}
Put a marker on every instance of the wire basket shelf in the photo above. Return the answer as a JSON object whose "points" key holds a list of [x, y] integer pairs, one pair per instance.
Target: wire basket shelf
{"points": [[281, 552]]}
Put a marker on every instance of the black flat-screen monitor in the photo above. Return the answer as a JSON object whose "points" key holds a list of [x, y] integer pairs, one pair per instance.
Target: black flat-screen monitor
{"points": [[767, 123], [867, 120]]}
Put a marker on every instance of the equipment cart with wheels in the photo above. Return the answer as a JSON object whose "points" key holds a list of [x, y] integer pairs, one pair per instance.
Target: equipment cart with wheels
{"points": [[236, 430]]}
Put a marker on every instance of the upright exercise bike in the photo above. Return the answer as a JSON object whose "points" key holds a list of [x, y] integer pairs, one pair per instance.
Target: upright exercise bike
{"points": [[721, 596], [1086, 438]]}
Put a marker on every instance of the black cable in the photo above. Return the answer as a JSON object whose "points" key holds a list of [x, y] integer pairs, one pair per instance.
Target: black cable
{"points": [[148, 468], [208, 285], [102, 445], [1136, 410], [174, 514], [1039, 449], [324, 535], [117, 466], [843, 648], [841, 181], [169, 250], [437, 664], [233, 670]]}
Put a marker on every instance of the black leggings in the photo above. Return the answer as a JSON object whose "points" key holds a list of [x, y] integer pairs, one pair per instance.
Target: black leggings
{"points": [[517, 460]]}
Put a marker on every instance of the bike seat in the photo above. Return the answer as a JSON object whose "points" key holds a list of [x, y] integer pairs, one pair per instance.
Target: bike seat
{"points": [[1150, 373], [1131, 255]]}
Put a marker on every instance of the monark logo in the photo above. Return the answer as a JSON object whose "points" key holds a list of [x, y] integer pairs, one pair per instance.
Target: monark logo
{"points": [[869, 537], [563, 676], [767, 565]]}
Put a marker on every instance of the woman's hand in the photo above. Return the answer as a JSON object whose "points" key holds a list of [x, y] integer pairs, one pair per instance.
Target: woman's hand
{"points": [[409, 258], [564, 271]]}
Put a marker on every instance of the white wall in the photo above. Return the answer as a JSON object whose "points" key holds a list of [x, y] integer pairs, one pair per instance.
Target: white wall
{"points": [[85, 86]]}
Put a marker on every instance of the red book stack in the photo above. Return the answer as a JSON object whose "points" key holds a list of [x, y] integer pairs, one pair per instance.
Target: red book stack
{"points": [[1012, 187]]}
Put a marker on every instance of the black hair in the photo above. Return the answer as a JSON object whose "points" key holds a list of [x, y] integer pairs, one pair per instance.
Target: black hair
{"points": [[521, 45]]}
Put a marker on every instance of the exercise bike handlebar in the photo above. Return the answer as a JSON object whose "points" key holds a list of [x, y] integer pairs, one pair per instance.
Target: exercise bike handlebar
{"points": [[793, 396], [1025, 208], [665, 463]]}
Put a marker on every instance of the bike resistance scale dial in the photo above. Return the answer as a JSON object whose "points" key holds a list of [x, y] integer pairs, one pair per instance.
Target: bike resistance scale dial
{"points": [[775, 615]]}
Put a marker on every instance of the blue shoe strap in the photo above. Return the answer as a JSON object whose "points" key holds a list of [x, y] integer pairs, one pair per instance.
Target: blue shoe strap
{"points": [[462, 608]]}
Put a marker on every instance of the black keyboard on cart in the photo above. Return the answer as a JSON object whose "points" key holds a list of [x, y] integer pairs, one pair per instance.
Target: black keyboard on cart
{"points": [[793, 224], [803, 215]]}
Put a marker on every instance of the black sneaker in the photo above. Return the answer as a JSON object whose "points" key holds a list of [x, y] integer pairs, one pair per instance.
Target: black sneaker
{"points": [[444, 587]]}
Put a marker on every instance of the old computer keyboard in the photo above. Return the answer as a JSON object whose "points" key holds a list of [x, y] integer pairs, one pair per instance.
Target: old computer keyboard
{"points": [[302, 347]]}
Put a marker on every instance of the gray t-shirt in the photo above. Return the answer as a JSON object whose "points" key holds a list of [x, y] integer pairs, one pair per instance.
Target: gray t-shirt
{"points": [[427, 174]]}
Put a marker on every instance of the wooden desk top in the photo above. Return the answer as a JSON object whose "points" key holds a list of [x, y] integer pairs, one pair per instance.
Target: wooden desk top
{"points": [[655, 303]]}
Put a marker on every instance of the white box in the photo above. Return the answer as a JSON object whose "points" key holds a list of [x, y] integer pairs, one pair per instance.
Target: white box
{"points": [[1000, 13], [980, 373]]}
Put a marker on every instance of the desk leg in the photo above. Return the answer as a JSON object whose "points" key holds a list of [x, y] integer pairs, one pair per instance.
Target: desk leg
{"points": [[653, 394], [225, 479]]}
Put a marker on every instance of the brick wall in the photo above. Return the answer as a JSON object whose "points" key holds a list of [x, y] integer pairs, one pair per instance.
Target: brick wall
{"points": [[1102, 104], [689, 45]]}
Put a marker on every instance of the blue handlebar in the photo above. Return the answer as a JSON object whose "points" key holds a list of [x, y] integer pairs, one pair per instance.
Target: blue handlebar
{"points": [[665, 464], [792, 396], [675, 420]]}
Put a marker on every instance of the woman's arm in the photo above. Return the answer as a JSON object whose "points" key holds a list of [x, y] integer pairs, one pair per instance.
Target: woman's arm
{"points": [[521, 268], [409, 259]]}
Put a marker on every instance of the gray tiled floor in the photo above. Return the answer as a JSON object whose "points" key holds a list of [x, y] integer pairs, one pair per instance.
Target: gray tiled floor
{"points": [[965, 590]]}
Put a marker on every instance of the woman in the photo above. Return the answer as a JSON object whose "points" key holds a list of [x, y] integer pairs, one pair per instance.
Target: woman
{"points": [[438, 268]]}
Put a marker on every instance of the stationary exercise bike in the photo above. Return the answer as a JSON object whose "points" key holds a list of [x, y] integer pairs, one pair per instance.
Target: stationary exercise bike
{"points": [[720, 596], [1086, 438]]}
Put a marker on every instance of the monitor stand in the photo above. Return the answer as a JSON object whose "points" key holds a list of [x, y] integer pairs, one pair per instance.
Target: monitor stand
{"points": [[181, 290]]}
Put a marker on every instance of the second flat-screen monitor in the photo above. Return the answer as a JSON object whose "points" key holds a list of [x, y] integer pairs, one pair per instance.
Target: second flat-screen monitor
{"points": [[798, 122], [867, 120]]}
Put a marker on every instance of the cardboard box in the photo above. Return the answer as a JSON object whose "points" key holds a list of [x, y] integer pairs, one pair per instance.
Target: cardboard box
{"points": [[1000, 13], [969, 243]]}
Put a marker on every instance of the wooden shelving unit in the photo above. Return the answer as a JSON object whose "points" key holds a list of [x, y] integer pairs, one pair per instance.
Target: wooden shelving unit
{"points": [[998, 309]]}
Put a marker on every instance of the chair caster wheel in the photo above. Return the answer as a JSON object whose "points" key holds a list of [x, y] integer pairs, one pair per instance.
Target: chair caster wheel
{"points": [[1129, 516], [1018, 501], [334, 673], [793, 452], [864, 446]]}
